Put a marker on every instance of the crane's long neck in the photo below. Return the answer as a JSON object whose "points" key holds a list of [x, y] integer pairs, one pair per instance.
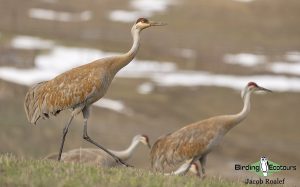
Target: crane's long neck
{"points": [[127, 153], [239, 117], [136, 43], [128, 57]]}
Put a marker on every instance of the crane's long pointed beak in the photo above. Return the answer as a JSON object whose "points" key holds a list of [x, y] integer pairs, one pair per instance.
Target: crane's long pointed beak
{"points": [[149, 145], [264, 89], [152, 23]]}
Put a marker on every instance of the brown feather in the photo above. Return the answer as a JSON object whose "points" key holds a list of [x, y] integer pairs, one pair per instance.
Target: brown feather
{"points": [[73, 89], [188, 142], [78, 87], [86, 156]]}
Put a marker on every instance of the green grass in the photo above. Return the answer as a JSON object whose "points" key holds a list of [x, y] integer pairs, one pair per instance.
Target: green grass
{"points": [[21, 172]]}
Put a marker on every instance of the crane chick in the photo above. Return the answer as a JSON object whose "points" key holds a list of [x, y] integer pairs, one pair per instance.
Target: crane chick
{"points": [[80, 87], [99, 157], [193, 142]]}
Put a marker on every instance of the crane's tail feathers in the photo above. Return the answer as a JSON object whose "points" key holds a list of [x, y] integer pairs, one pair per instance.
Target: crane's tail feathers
{"points": [[31, 103]]}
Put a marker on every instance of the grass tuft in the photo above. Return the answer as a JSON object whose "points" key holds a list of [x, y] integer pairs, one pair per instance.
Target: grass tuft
{"points": [[23, 172]]}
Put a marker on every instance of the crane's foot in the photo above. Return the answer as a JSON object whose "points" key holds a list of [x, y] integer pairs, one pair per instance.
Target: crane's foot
{"points": [[123, 163], [117, 159]]}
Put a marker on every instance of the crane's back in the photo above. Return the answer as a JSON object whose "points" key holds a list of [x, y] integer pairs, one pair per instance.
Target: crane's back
{"points": [[87, 156], [188, 142], [76, 88]]}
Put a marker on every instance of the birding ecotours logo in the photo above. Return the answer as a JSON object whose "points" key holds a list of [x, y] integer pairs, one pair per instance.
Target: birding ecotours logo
{"points": [[264, 167]]}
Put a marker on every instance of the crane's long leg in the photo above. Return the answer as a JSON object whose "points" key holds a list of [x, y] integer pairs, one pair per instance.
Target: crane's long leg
{"points": [[65, 131], [85, 113], [203, 164]]}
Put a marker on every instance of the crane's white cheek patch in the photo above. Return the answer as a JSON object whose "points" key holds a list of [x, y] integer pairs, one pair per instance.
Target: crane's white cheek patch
{"points": [[260, 92]]}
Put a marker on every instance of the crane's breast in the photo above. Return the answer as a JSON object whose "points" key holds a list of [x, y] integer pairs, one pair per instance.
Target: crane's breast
{"points": [[100, 87]]}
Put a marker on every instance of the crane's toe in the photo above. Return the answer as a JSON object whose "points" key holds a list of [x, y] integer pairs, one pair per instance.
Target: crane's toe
{"points": [[123, 163]]}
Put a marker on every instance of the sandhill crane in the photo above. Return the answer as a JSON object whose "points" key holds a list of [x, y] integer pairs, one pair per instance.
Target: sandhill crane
{"points": [[80, 87], [99, 157], [193, 142]]}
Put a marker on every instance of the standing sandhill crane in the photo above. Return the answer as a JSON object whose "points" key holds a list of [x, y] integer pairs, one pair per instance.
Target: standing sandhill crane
{"points": [[193, 142], [99, 157], [78, 88]]}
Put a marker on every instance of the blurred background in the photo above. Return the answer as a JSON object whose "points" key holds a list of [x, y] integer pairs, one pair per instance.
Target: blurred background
{"points": [[190, 70]]}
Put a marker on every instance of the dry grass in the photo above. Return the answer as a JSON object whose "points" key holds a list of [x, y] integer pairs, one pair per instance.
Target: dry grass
{"points": [[21, 172]]}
